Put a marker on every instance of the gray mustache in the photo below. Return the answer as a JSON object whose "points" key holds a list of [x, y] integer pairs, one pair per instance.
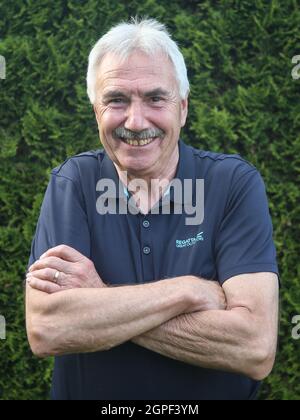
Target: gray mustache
{"points": [[133, 135]]}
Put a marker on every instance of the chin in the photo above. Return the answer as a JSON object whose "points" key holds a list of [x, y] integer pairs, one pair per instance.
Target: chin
{"points": [[133, 164], [137, 169]]}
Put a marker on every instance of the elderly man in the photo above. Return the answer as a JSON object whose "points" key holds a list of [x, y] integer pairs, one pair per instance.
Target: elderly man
{"points": [[195, 312]]}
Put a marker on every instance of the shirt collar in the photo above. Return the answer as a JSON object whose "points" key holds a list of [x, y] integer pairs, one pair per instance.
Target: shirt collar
{"points": [[185, 170]]}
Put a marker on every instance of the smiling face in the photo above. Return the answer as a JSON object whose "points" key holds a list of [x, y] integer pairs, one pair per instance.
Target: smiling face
{"points": [[139, 112]]}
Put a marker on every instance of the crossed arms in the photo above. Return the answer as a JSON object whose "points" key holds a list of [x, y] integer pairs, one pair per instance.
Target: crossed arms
{"points": [[196, 321]]}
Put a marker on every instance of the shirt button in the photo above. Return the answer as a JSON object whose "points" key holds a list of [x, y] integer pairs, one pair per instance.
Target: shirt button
{"points": [[146, 250], [146, 224]]}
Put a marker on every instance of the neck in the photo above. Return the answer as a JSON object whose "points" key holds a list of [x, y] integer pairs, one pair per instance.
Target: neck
{"points": [[152, 190]]}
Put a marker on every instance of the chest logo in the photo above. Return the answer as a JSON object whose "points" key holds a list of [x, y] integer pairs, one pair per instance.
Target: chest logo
{"points": [[190, 241]]}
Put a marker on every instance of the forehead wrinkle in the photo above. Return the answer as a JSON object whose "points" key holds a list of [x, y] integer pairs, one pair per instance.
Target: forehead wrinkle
{"points": [[138, 61], [131, 73], [153, 89], [130, 80], [129, 68], [108, 78]]}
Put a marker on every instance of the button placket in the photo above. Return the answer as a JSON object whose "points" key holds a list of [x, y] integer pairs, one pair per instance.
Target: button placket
{"points": [[146, 248]]}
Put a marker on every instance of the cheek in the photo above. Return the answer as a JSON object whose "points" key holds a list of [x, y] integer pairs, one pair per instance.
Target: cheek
{"points": [[163, 119], [170, 123], [109, 119]]}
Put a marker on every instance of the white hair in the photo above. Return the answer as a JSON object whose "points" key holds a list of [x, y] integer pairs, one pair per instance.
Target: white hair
{"points": [[147, 36]]}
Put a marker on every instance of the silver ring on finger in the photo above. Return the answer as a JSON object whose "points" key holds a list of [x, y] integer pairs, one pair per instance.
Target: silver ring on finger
{"points": [[56, 276]]}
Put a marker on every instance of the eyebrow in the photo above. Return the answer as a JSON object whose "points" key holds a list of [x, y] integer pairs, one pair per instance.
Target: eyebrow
{"points": [[156, 92], [113, 94], [119, 94]]}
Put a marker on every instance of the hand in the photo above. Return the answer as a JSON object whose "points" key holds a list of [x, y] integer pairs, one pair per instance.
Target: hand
{"points": [[206, 295], [63, 268]]}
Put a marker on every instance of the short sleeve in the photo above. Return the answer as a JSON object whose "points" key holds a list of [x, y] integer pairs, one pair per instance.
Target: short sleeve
{"points": [[244, 241], [62, 219]]}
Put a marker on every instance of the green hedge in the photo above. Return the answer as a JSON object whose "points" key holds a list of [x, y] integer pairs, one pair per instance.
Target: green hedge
{"points": [[243, 100]]}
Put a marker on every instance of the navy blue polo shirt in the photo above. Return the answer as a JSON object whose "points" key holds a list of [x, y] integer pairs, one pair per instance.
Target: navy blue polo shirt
{"points": [[234, 237]]}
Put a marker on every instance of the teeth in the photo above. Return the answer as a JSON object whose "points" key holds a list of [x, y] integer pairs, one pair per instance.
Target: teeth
{"points": [[138, 142]]}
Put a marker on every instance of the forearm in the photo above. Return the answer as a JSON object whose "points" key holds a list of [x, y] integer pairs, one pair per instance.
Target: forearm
{"points": [[88, 320], [221, 340]]}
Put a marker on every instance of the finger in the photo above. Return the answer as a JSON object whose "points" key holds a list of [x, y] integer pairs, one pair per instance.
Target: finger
{"points": [[43, 286], [51, 262], [47, 274], [65, 252]]}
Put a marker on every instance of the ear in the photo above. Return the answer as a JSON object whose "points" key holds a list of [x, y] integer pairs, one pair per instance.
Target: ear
{"points": [[183, 111]]}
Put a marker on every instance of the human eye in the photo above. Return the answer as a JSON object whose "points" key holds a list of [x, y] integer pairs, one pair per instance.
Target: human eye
{"points": [[156, 99], [116, 100]]}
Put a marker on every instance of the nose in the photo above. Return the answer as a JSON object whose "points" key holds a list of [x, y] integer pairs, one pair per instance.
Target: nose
{"points": [[135, 118]]}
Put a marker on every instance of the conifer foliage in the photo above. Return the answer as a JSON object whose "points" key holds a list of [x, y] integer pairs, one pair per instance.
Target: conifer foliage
{"points": [[244, 99]]}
